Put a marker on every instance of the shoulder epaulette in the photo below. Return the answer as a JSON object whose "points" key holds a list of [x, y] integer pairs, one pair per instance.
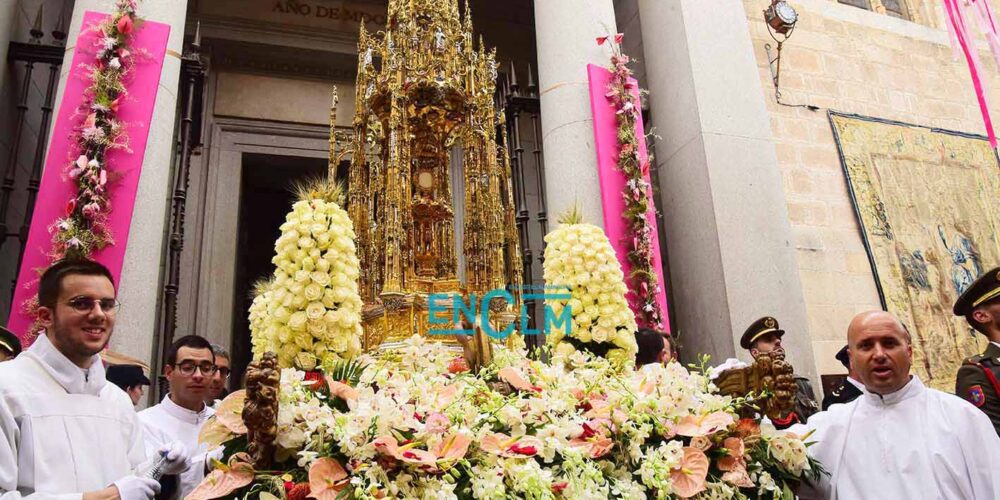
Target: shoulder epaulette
{"points": [[973, 360]]}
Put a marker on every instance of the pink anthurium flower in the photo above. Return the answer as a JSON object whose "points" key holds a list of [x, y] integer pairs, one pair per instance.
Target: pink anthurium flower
{"points": [[517, 380], [689, 478], [692, 425], [327, 478], [225, 480], [593, 439], [506, 446]]}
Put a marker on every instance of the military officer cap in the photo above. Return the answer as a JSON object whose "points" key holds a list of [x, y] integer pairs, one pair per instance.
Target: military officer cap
{"points": [[983, 290], [758, 329], [9, 342], [843, 357]]}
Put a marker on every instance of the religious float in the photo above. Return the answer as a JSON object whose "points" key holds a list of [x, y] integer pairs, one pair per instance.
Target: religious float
{"points": [[353, 395]]}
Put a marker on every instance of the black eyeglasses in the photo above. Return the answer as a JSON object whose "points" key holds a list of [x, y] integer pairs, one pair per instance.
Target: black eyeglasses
{"points": [[86, 304], [223, 371], [188, 367]]}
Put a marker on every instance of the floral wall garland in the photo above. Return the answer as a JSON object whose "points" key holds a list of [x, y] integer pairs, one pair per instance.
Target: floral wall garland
{"points": [[84, 228], [643, 277]]}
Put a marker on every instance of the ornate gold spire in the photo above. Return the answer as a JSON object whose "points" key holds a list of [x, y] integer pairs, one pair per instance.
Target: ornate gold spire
{"points": [[424, 100]]}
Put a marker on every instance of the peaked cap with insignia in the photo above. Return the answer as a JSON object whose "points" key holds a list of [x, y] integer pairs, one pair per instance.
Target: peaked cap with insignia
{"points": [[758, 329], [985, 289]]}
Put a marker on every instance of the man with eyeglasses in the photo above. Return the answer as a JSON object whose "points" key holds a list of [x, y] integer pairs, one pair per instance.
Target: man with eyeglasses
{"points": [[65, 433], [189, 368], [217, 388]]}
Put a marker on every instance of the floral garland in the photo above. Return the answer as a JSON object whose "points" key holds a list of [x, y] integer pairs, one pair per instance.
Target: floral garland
{"points": [[84, 229], [643, 277]]}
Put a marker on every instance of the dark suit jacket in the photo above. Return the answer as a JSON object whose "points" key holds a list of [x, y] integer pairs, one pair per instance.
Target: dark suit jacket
{"points": [[843, 393]]}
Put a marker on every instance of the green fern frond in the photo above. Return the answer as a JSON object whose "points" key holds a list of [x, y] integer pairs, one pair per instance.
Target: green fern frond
{"points": [[348, 371]]}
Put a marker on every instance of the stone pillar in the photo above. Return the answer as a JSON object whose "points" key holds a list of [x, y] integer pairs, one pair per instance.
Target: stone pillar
{"points": [[729, 241], [566, 33], [139, 287]]}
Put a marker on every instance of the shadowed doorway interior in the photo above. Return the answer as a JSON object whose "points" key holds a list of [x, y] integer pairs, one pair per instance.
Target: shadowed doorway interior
{"points": [[265, 199]]}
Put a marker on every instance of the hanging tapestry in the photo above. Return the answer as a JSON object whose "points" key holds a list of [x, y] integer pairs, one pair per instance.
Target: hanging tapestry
{"points": [[928, 202]]}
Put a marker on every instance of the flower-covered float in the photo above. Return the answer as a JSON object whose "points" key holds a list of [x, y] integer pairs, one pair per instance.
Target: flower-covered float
{"points": [[330, 423]]}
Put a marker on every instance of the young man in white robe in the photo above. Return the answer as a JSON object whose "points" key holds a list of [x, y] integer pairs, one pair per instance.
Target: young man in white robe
{"points": [[900, 439], [190, 367], [65, 433]]}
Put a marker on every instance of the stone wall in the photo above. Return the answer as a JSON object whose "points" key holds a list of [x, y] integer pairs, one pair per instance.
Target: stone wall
{"points": [[851, 60]]}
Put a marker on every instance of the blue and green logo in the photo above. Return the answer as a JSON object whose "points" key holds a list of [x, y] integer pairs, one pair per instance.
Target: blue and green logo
{"points": [[475, 308]]}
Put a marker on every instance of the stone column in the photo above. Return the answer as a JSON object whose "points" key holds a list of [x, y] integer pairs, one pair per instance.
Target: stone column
{"points": [[730, 245], [566, 32], [139, 287]]}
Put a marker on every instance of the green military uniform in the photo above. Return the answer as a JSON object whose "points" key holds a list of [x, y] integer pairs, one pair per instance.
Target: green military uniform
{"points": [[9, 342], [977, 380], [805, 399], [977, 383]]}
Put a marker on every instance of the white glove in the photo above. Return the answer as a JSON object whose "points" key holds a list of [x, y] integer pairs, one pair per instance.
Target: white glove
{"points": [[137, 488], [177, 458], [215, 454]]}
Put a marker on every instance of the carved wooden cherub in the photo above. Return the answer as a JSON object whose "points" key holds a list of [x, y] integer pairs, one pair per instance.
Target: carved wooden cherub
{"points": [[769, 372], [260, 413]]}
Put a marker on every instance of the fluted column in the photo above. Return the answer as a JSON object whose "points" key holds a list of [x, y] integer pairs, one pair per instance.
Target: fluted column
{"points": [[566, 32]]}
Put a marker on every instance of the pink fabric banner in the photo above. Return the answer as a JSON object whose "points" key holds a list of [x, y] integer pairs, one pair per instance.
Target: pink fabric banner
{"points": [[149, 44], [613, 180]]}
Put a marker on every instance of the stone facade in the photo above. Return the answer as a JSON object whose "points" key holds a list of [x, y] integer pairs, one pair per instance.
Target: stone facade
{"points": [[851, 60], [268, 94]]}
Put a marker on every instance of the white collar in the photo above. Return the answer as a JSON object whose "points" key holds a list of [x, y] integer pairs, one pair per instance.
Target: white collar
{"points": [[72, 378], [912, 389], [996, 343], [856, 383], [183, 414]]}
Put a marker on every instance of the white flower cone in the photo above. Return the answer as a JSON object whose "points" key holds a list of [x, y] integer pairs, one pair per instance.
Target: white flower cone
{"points": [[310, 313], [580, 257]]}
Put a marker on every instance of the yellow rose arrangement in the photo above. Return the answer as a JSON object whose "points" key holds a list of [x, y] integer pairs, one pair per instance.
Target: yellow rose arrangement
{"points": [[579, 257], [309, 312]]}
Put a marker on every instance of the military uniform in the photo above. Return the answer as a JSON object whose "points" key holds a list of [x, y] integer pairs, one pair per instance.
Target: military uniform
{"points": [[978, 380], [843, 393], [846, 391], [805, 399], [978, 384]]}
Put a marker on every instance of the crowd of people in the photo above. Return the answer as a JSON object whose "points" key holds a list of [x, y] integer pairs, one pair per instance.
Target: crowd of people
{"points": [[69, 427]]}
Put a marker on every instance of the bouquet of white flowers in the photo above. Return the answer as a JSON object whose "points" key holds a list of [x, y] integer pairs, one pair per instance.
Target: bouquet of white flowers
{"points": [[415, 424], [579, 257], [309, 313]]}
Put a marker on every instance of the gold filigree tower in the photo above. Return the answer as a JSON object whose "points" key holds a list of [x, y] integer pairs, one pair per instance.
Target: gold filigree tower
{"points": [[425, 103]]}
